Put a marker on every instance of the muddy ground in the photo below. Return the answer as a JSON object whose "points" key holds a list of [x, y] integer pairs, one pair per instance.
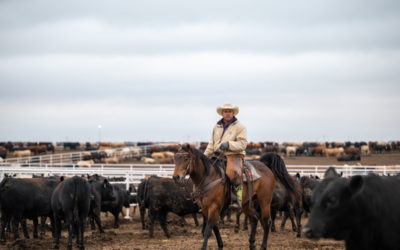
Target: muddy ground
{"points": [[131, 236]]}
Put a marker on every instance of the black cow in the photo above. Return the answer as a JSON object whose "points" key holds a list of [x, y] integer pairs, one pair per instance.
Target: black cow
{"points": [[352, 157], [71, 202], [121, 200], [362, 211], [331, 172], [163, 195], [71, 145], [307, 185], [101, 191], [22, 199]]}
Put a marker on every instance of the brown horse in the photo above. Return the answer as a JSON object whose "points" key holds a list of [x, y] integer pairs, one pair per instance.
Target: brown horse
{"points": [[211, 184], [213, 189]]}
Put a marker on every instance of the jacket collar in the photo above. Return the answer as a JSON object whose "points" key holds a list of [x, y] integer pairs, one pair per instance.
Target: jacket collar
{"points": [[221, 122]]}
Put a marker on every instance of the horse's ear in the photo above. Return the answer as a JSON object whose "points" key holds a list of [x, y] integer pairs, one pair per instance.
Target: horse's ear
{"points": [[186, 147]]}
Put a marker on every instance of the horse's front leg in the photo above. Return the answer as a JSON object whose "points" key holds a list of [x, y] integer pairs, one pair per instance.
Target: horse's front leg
{"points": [[212, 220], [206, 234], [218, 237], [204, 225]]}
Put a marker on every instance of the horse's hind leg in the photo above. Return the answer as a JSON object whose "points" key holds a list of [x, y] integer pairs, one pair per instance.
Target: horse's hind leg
{"points": [[291, 214], [252, 237], [298, 212], [284, 218], [265, 221]]}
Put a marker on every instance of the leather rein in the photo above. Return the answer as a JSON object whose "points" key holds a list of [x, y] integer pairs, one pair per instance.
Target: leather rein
{"points": [[199, 191]]}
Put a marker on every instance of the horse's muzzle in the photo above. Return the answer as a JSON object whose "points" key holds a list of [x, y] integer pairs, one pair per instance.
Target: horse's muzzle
{"points": [[176, 178]]}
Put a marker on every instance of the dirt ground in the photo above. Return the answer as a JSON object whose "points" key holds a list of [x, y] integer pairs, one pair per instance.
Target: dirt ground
{"points": [[387, 159], [131, 236]]}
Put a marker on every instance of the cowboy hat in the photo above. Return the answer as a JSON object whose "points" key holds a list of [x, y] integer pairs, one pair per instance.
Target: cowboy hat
{"points": [[228, 106]]}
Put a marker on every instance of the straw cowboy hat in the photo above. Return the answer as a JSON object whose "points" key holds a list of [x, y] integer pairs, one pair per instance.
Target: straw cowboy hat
{"points": [[228, 106]]}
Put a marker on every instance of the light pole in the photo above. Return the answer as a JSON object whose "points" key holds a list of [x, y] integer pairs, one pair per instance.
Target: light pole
{"points": [[99, 126]]}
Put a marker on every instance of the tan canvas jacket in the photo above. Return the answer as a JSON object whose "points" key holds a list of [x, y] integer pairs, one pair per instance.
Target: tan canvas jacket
{"points": [[235, 134]]}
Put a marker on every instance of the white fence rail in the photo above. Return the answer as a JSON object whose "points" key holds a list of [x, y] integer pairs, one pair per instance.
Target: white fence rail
{"points": [[134, 173], [72, 157]]}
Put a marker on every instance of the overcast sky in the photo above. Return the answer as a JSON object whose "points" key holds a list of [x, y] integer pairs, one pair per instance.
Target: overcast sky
{"points": [[156, 70]]}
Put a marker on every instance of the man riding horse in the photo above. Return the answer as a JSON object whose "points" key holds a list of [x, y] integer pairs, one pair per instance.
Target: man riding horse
{"points": [[229, 137]]}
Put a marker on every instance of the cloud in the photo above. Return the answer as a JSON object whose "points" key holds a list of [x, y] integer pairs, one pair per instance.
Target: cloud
{"points": [[156, 70]]}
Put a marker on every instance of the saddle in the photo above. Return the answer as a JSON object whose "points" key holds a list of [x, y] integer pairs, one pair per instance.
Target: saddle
{"points": [[250, 173]]}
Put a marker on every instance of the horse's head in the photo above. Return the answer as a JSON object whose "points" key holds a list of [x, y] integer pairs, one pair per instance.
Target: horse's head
{"points": [[183, 162]]}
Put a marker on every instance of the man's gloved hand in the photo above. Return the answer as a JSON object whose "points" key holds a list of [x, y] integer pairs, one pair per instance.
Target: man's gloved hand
{"points": [[224, 146]]}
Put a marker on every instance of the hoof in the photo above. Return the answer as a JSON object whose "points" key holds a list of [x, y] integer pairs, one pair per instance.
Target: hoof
{"points": [[56, 247]]}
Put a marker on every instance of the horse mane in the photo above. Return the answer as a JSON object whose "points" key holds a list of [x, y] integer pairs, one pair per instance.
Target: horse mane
{"points": [[207, 162]]}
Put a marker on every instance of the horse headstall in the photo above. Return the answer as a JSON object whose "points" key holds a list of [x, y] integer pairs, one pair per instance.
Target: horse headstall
{"points": [[188, 167]]}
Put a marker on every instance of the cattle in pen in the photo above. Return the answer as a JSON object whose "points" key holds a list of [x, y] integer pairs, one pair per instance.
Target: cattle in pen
{"points": [[163, 195], [26, 198], [71, 202], [362, 211]]}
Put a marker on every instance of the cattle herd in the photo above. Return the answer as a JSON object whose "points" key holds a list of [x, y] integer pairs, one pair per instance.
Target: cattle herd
{"points": [[360, 210], [107, 152]]}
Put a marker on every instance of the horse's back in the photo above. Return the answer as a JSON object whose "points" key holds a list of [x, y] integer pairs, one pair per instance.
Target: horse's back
{"points": [[267, 177], [261, 168]]}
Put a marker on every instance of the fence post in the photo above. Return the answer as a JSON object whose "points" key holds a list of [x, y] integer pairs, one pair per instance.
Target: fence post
{"points": [[127, 188], [384, 170]]}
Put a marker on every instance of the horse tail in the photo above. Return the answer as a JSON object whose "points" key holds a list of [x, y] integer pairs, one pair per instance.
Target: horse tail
{"points": [[278, 168]]}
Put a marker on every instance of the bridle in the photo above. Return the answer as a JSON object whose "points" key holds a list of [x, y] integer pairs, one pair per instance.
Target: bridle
{"points": [[188, 167]]}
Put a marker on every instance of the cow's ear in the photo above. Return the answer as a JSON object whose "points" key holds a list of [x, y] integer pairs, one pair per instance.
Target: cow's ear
{"points": [[356, 182]]}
